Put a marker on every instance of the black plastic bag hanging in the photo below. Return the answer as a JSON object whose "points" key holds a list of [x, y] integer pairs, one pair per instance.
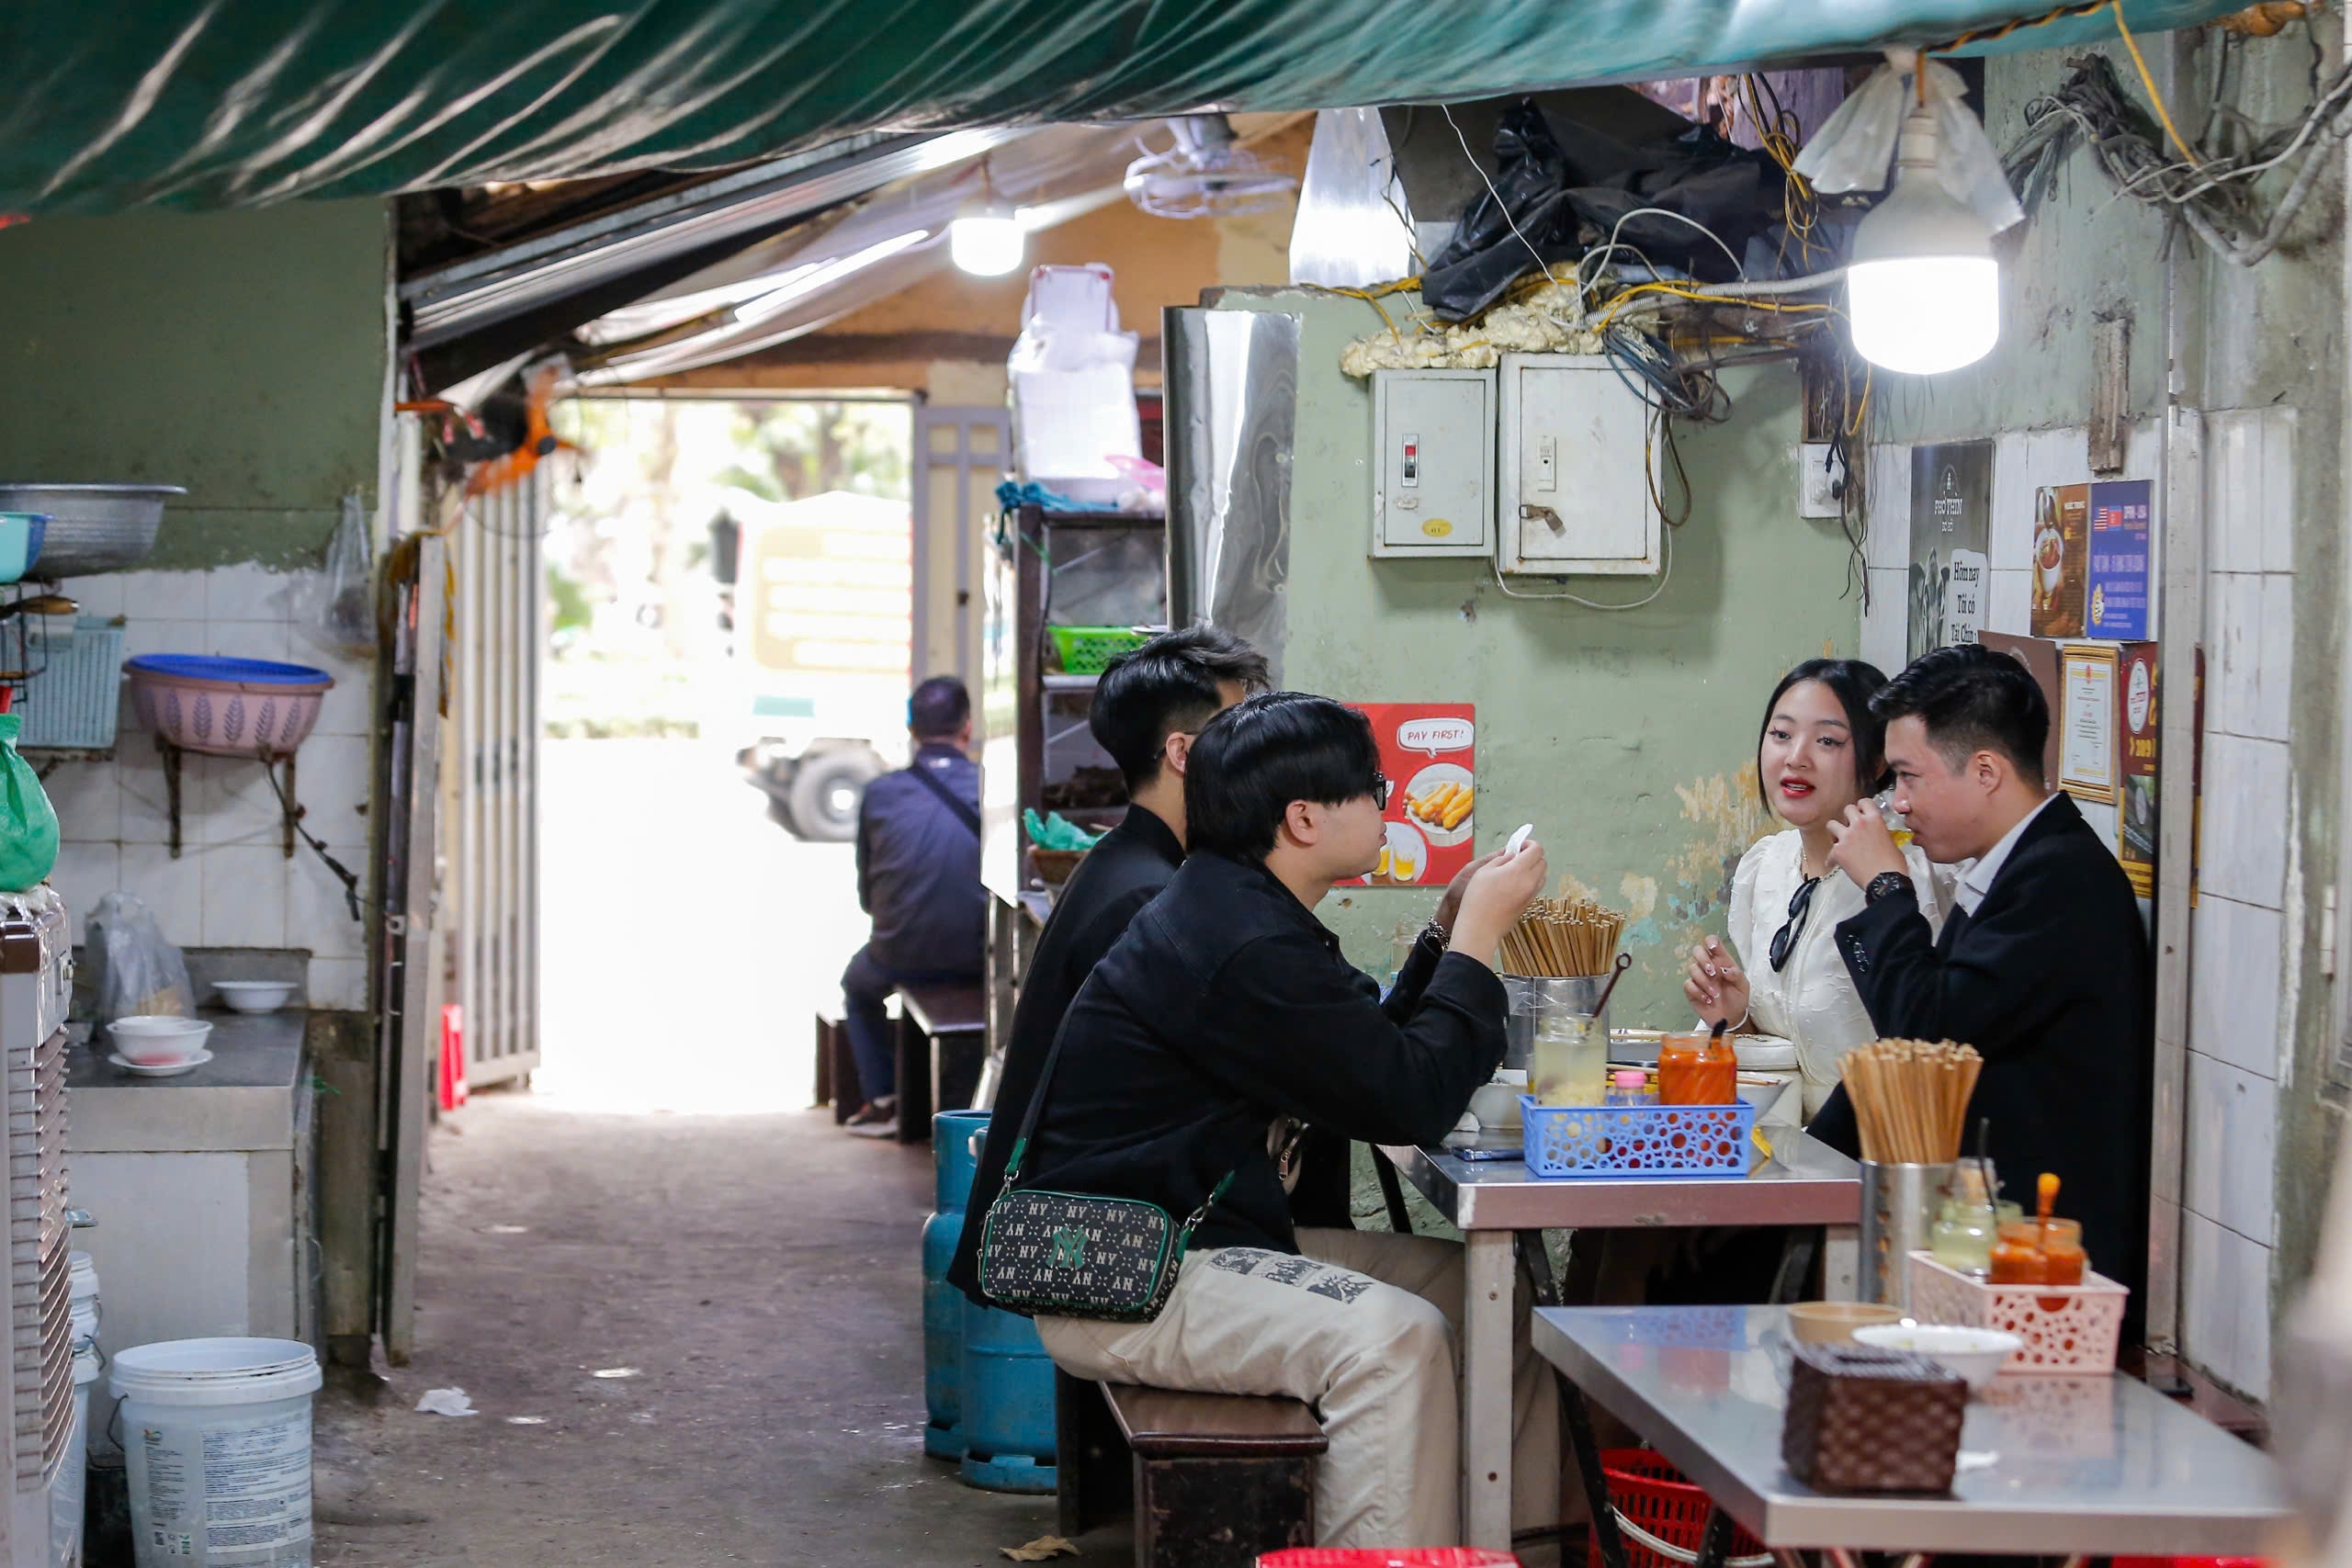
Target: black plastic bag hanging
{"points": [[1568, 195]]}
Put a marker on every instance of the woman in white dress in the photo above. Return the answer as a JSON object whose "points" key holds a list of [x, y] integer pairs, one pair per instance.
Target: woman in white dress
{"points": [[1820, 749]]}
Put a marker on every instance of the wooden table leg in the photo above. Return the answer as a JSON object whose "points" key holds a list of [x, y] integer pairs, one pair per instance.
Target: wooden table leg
{"points": [[1486, 1389]]}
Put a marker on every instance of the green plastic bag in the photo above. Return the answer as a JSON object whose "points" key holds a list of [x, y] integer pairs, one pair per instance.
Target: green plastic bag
{"points": [[28, 822]]}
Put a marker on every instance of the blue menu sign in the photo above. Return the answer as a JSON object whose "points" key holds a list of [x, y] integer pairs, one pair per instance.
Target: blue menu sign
{"points": [[2118, 552]]}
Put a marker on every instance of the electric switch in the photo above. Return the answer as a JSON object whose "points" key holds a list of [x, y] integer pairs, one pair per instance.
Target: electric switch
{"points": [[1547, 462], [1412, 468]]}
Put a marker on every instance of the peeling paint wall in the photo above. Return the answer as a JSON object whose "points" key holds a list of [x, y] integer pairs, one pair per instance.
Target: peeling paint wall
{"points": [[2260, 354], [242, 354], [1628, 739]]}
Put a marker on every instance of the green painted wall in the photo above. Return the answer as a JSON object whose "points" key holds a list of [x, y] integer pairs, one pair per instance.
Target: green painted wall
{"points": [[242, 354], [1627, 738]]}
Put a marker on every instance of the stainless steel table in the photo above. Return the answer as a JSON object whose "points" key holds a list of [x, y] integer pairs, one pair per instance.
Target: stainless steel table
{"points": [[2084, 1465], [1806, 1183]]}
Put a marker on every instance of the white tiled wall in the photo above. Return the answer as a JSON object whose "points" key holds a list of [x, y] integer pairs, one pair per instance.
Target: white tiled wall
{"points": [[2230, 1215], [232, 885], [2237, 929]]}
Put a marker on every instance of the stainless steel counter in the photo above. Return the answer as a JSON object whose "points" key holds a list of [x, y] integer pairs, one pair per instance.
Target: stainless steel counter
{"points": [[1806, 1183], [2099, 1465]]}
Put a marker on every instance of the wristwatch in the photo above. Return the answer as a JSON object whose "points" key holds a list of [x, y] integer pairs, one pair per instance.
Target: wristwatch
{"points": [[1886, 884]]}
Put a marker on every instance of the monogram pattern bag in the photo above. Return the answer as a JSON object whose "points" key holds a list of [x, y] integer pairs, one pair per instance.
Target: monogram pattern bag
{"points": [[1071, 1255]]}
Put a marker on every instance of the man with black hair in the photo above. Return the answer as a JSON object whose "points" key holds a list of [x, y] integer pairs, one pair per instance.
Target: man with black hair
{"points": [[1224, 1016], [2042, 964], [918, 876], [1149, 706]]}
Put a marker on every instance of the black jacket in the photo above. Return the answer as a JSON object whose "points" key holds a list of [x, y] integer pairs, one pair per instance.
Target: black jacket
{"points": [[918, 867], [1226, 1005], [1118, 877], [2049, 980]]}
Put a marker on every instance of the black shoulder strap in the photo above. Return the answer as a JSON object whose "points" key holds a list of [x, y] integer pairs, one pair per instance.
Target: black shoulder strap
{"points": [[948, 797], [1029, 1117]]}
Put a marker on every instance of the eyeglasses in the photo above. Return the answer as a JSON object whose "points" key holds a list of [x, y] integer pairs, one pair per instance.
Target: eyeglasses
{"points": [[1784, 940], [1380, 790]]}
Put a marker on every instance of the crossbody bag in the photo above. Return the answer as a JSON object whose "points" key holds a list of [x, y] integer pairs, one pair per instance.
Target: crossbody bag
{"points": [[1073, 1255]]}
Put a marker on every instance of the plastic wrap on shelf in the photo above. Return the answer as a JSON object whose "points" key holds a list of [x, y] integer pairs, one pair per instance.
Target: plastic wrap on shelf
{"points": [[1232, 406], [1354, 227]]}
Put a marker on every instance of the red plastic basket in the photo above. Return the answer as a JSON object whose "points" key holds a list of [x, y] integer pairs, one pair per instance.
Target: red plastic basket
{"points": [[1388, 1557], [1653, 1494]]}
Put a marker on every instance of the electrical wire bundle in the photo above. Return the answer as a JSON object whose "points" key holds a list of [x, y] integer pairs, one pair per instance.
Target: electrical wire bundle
{"points": [[2208, 193]]}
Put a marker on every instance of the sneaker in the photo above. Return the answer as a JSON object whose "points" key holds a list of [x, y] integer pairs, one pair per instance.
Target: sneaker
{"points": [[873, 1113], [875, 1129]]}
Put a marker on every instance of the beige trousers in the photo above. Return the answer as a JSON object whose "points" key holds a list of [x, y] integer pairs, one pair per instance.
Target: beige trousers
{"points": [[1365, 1327]]}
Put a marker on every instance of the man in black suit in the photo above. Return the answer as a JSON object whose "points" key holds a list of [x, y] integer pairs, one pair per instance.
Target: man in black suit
{"points": [[1148, 708], [2042, 964]]}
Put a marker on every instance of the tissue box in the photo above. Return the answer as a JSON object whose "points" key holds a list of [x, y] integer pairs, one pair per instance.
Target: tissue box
{"points": [[1862, 1419]]}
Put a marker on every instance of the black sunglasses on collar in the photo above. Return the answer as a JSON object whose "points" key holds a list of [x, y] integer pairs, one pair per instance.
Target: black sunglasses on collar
{"points": [[1784, 940]]}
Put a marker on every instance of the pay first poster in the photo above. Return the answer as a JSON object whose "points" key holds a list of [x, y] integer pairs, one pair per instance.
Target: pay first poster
{"points": [[1951, 520], [1429, 752]]}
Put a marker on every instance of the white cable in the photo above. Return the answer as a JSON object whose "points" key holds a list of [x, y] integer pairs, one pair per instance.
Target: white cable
{"points": [[1805, 285], [1661, 212], [1665, 574], [1673, 1553]]}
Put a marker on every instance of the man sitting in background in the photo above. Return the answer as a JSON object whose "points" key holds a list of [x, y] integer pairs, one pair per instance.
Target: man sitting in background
{"points": [[1147, 707], [919, 877]]}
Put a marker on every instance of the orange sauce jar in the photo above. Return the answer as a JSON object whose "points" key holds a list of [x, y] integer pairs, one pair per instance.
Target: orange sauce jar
{"points": [[2017, 1262], [1696, 1070]]}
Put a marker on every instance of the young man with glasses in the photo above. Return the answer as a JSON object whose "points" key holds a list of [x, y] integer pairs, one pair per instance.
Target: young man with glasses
{"points": [[1148, 707], [1225, 1012]]}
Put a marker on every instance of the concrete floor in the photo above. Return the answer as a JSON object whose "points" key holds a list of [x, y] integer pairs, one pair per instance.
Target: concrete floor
{"points": [[660, 1204]]}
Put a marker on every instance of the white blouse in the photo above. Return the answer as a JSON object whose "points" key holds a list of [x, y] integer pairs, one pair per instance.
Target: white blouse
{"points": [[1811, 1002]]}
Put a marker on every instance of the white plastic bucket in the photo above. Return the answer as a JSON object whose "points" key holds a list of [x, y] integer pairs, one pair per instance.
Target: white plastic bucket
{"points": [[216, 1435], [67, 1496]]}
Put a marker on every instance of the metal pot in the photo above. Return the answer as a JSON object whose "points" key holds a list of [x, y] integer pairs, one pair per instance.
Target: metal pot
{"points": [[92, 528]]}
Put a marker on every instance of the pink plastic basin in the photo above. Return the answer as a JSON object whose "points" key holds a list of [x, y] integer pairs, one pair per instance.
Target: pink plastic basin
{"points": [[229, 708]]}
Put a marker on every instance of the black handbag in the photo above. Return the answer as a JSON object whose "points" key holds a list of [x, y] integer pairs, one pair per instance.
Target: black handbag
{"points": [[1072, 1255]]}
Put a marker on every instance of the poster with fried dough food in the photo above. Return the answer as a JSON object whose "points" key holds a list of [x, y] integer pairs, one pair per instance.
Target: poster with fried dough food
{"points": [[1429, 752]]}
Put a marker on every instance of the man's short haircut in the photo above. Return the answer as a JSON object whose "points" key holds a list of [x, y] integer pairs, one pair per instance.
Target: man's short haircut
{"points": [[938, 709], [1256, 757], [1971, 699], [1169, 686]]}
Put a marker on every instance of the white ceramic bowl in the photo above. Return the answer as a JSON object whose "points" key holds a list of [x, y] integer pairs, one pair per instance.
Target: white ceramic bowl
{"points": [[254, 996], [158, 1040], [1975, 1354]]}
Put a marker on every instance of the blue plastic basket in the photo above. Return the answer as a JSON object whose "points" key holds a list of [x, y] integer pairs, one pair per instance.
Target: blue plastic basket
{"points": [[1636, 1140]]}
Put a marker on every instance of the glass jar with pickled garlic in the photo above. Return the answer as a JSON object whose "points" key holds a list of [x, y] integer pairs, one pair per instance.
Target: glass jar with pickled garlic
{"points": [[1696, 1070], [1963, 1236]]}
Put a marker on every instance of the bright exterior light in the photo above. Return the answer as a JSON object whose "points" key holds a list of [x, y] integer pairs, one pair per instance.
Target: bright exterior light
{"points": [[986, 239], [1922, 288]]}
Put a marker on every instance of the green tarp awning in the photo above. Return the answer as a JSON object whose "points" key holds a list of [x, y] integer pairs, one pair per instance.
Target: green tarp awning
{"points": [[235, 103]]}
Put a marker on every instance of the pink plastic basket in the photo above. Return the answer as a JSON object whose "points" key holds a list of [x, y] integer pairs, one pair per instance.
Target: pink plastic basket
{"points": [[2067, 1329]]}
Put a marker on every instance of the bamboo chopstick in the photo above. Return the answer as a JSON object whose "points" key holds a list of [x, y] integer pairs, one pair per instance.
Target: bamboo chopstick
{"points": [[1560, 937], [1910, 1098]]}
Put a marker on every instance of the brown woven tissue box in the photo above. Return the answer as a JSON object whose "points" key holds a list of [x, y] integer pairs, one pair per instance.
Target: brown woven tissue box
{"points": [[1862, 1419]]}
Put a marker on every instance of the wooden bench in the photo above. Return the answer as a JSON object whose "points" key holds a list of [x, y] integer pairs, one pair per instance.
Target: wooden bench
{"points": [[1212, 1479], [943, 1044], [836, 1066]]}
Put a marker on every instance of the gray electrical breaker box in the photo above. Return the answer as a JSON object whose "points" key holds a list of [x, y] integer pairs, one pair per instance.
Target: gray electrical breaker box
{"points": [[1433, 462], [1576, 472]]}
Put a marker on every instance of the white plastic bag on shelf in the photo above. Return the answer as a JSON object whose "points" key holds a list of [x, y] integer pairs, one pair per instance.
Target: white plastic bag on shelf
{"points": [[336, 611], [1074, 407], [1854, 149], [140, 974]]}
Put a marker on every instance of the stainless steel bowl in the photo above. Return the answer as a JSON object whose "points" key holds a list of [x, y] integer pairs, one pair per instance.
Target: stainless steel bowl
{"points": [[92, 528]]}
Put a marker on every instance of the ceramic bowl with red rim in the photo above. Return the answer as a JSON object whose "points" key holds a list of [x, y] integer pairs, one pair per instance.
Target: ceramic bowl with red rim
{"points": [[228, 707]]}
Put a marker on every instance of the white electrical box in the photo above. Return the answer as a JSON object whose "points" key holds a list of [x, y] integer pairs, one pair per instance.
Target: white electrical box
{"points": [[1433, 462], [1576, 470]]}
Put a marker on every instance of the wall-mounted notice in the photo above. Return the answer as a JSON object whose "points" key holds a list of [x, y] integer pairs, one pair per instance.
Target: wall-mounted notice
{"points": [[2119, 589], [1952, 508], [1429, 752], [2086, 722], [2135, 841]]}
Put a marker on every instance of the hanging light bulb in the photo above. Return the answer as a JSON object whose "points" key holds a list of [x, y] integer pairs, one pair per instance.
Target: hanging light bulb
{"points": [[985, 238], [1922, 288]]}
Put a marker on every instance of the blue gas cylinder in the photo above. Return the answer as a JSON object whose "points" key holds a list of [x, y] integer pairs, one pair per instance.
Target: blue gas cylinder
{"points": [[953, 1158], [1008, 1404]]}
